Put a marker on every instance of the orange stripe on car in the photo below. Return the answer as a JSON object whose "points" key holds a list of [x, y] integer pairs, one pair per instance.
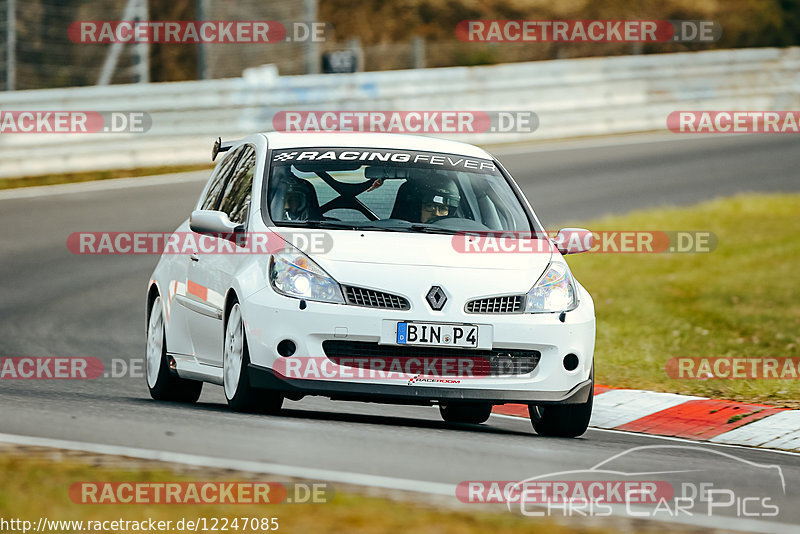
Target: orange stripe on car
{"points": [[197, 290]]}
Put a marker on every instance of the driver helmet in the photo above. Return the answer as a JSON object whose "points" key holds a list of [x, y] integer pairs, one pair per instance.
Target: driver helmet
{"points": [[439, 197], [295, 203]]}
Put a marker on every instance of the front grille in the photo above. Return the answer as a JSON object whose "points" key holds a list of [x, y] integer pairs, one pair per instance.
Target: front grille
{"points": [[370, 298], [507, 304], [428, 360]]}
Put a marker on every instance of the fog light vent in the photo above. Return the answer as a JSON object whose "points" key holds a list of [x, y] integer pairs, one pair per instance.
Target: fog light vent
{"points": [[570, 362], [286, 348]]}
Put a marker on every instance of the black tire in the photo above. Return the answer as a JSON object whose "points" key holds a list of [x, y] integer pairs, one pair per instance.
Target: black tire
{"points": [[465, 412], [248, 399], [168, 386], [562, 420]]}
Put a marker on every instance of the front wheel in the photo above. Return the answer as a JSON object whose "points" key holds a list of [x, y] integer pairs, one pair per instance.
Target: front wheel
{"points": [[241, 396], [562, 420], [162, 383]]}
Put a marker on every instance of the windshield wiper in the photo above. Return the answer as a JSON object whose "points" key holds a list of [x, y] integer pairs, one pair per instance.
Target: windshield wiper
{"points": [[343, 225], [317, 224], [423, 228], [337, 225]]}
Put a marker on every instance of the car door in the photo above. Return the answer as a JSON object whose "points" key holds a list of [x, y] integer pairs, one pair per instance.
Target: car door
{"points": [[200, 309], [212, 274]]}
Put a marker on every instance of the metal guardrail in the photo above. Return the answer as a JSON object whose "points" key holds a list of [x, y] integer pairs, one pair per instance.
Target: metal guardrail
{"points": [[574, 97]]}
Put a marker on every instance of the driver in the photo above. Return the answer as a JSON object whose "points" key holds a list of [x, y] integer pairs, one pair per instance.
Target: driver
{"points": [[295, 203], [291, 198], [438, 198]]}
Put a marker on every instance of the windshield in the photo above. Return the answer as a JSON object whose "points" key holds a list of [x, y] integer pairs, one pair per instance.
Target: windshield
{"points": [[377, 189]]}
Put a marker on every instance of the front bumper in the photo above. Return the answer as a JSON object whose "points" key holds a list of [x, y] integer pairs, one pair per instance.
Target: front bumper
{"points": [[265, 378], [271, 318]]}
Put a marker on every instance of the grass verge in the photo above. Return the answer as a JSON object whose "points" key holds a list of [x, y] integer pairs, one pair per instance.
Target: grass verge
{"points": [[37, 486], [739, 300], [52, 179]]}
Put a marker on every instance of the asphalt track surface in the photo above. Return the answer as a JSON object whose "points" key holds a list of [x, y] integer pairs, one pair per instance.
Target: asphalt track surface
{"points": [[55, 303]]}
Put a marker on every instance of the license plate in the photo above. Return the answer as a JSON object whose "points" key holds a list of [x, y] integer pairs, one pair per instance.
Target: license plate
{"points": [[442, 335]]}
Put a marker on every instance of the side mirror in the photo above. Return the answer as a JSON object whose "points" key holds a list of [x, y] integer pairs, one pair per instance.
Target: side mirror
{"points": [[573, 240], [212, 222]]}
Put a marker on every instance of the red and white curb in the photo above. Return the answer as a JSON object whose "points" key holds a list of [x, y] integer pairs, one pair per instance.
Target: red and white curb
{"points": [[684, 416]]}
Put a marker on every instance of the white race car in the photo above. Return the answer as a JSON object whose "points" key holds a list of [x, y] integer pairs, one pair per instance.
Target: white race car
{"points": [[372, 267]]}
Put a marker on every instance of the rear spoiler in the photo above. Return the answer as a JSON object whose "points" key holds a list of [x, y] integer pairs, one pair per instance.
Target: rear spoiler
{"points": [[219, 146]]}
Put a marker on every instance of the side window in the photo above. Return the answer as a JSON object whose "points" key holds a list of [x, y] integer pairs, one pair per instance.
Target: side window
{"points": [[236, 199], [222, 172]]}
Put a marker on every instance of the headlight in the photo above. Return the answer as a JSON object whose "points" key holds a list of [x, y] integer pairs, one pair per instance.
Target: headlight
{"points": [[554, 292], [293, 274]]}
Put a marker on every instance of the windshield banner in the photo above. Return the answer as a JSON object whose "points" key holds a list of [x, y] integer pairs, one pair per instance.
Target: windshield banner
{"points": [[356, 157]]}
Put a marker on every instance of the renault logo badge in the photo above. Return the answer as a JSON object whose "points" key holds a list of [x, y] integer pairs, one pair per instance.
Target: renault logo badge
{"points": [[436, 298]]}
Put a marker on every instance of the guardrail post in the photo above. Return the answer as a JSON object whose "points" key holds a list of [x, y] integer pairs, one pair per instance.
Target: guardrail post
{"points": [[201, 12], [142, 50], [311, 47], [11, 44], [418, 52], [354, 44]]}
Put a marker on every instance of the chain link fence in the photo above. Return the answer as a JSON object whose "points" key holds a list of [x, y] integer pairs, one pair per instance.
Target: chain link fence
{"points": [[36, 51], [230, 60]]}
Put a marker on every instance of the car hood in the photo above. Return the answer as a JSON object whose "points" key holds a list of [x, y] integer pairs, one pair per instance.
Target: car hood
{"points": [[374, 259]]}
